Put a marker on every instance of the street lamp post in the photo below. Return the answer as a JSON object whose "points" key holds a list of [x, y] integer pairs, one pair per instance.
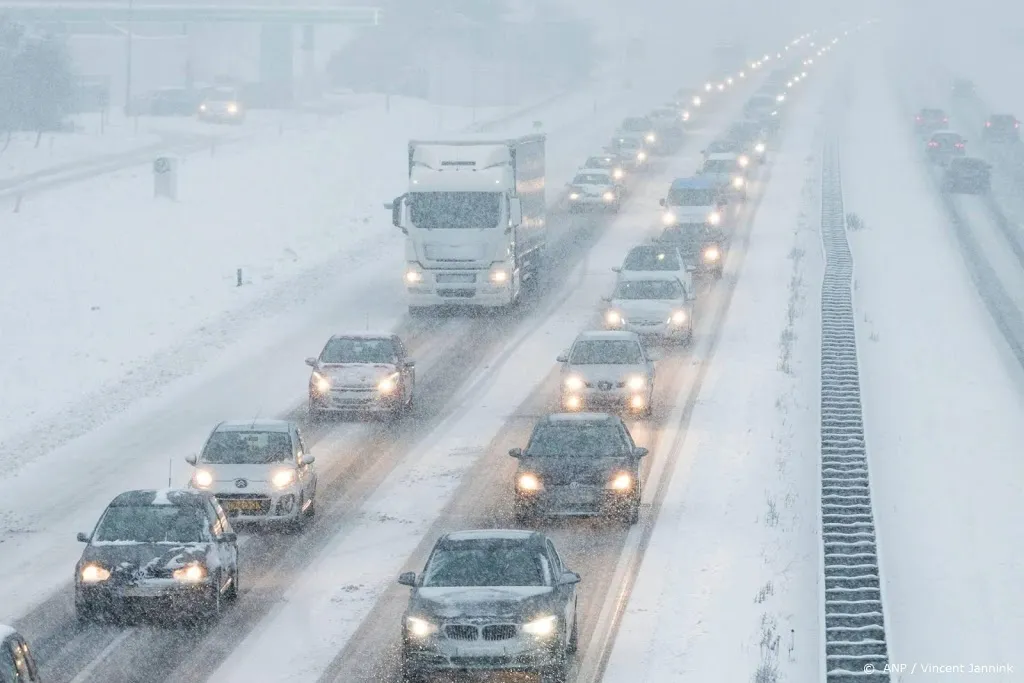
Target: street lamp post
{"points": [[128, 61]]}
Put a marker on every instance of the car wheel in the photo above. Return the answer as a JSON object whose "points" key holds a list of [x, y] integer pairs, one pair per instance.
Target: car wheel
{"points": [[213, 602], [232, 593], [632, 515], [574, 637]]}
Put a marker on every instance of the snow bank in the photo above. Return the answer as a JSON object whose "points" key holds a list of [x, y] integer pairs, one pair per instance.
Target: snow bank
{"points": [[942, 399], [728, 585]]}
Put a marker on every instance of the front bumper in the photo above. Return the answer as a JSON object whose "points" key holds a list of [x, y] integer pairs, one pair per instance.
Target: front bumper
{"points": [[655, 330], [354, 400], [459, 289], [258, 507], [621, 399], [579, 501], [521, 653], [165, 594]]}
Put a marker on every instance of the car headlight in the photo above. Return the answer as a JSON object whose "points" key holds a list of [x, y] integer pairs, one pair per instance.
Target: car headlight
{"points": [[413, 276], [743, 74], [729, 80], [697, 101], [618, 173], [193, 573], [419, 628], [321, 383], [714, 218], [283, 478], [668, 218], [743, 161], [686, 116], [636, 382], [545, 626], [202, 479], [528, 482], [678, 317], [721, 86], [738, 182], [780, 98], [640, 156], [608, 196], [232, 108], [623, 481], [573, 383], [94, 573], [650, 137], [574, 195], [712, 254], [759, 148], [388, 384], [202, 107], [708, 87], [613, 318]]}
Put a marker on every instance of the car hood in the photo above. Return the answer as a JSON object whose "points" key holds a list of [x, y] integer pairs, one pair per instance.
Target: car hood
{"points": [[646, 308], [505, 602], [593, 189], [605, 373], [230, 472], [356, 374], [129, 561], [585, 471], [691, 211]]}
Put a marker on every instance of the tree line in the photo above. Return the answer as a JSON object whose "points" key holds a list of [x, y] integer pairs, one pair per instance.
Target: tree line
{"points": [[37, 85]]}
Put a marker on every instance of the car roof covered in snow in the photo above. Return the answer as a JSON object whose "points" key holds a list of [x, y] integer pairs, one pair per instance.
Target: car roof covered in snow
{"points": [[694, 183], [648, 276], [565, 418], [364, 335], [615, 335], [490, 535], [169, 496], [254, 425]]}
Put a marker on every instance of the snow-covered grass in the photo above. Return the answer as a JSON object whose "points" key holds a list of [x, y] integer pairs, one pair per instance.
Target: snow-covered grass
{"points": [[728, 586], [942, 399]]}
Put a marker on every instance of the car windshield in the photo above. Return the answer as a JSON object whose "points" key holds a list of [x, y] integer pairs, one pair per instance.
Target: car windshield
{"points": [[220, 95], [1002, 120], [629, 143], [577, 440], [455, 210], [636, 125], [606, 352], [686, 196], [647, 258], [247, 448], [590, 179], [153, 524], [355, 350], [933, 114], [719, 165], [721, 146], [947, 139], [488, 563], [636, 290], [599, 162]]}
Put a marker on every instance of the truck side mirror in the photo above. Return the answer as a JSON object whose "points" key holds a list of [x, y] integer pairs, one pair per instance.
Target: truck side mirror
{"points": [[515, 212], [661, 202], [396, 213]]}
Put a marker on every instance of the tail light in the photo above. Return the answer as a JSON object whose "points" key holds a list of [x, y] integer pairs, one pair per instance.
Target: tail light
{"points": [[959, 145], [988, 124], [917, 118], [945, 120], [933, 144], [1016, 124]]}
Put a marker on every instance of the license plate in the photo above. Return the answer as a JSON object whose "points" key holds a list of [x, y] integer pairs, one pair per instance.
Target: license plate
{"points": [[243, 505]]}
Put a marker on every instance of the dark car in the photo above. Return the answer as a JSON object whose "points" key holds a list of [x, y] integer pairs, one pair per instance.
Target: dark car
{"points": [[703, 247], [752, 136], [1001, 128], [174, 102], [579, 464], [491, 600], [963, 87], [967, 175], [929, 120], [363, 372], [611, 163], [169, 548], [16, 662], [944, 146]]}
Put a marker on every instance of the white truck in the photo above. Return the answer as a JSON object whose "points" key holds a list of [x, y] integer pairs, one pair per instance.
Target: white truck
{"points": [[474, 220]]}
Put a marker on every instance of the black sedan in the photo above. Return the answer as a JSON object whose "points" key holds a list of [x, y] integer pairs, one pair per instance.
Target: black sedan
{"points": [[490, 600], [579, 464], [967, 175], [167, 549]]}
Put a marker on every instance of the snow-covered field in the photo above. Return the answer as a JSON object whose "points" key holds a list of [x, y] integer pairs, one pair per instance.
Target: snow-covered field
{"points": [[728, 587], [942, 398]]}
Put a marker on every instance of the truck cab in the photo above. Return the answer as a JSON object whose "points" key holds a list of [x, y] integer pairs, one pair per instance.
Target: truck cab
{"points": [[474, 220]]}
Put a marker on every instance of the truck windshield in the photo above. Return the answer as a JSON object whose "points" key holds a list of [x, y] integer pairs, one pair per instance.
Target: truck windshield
{"points": [[455, 210], [685, 196]]}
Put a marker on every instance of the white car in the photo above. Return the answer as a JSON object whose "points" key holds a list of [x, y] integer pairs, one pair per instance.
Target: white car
{"points": [[728, 170], [594, 189], [653, 306], [260, 471], [607, 369], [611, 163], [658, 259], [361, 372], [633, 150]]}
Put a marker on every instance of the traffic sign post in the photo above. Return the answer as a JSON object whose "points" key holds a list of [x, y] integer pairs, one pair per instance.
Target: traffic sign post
{"points": [[165, 178]]}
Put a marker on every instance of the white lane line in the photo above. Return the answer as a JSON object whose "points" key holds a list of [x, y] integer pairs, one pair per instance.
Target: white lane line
{"points": [[103, 656]]}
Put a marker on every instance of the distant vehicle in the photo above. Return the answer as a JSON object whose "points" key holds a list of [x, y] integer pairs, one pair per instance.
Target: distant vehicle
{"points": [[654, 306], [157, 548], [632, 150], [945, 145], [759, 105], [689, 98], [963, 87], [607, 369], [929, 120], [1001, 128], [728, 171], [967, 175], [17, 665], [173, 102], [362, 372], [702, 247], [694, 201], [594, 188], [221, 105], [490, 600], [668, 126], [260, 471], [658, 258], [638, 127], [611, 163], [752, 136], [579, 464]]}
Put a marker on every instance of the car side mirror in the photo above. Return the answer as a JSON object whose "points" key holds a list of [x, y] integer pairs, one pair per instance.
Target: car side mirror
{"points": [[569, 579], [407, 579], [562, 358], [311, 362], [191, 460], [616, 269], [307, 459], [661, 202], [606, 299], [410, 364], [515, 212], [640, 452], [515, 453], [82, 537], [229, 537]]}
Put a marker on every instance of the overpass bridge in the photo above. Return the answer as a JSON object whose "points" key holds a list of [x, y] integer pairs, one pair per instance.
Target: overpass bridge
{"points": [[302, 12]]}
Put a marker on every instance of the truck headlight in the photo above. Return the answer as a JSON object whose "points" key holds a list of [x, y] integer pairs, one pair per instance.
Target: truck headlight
{"points": [[613, 318], [650, 137], [759, 148], [668, 218], [543, 627], [678, 317], [498, 276], [193, 573], [388, 384], [419, 628], [738, 182], [320, 383], [743, 161], [623, 481], [528, 482], [714, 218], [283, 479], [413, 276], [608, 196], [574, 383], [574, 195], [712, 254], [618, 173], [94, 573], [636, 382], [202, 479]]}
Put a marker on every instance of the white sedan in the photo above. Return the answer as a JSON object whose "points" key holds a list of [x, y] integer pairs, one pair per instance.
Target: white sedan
{"points": [[607, 369], [652, 305], [595, 189]]}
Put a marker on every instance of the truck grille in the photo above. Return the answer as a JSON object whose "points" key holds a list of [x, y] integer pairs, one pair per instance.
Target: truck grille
{"points": [[457, 293]]}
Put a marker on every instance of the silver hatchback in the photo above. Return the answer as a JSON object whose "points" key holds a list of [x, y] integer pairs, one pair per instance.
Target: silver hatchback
{"points": [[607, 369]]}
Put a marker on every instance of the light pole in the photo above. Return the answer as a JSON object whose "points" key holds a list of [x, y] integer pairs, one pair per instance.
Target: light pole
{"points": [[128, 62]]}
